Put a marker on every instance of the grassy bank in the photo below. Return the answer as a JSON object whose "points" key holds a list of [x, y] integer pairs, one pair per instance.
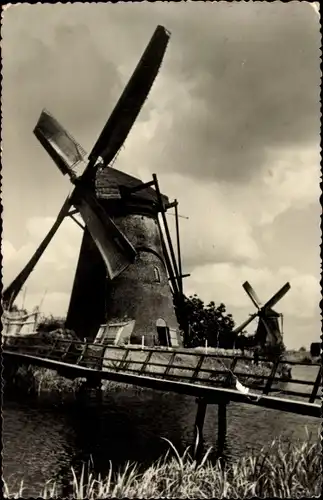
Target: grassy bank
{"points": [[283, 471]]}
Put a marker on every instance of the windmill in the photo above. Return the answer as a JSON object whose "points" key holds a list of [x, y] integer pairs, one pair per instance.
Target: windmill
{"points": [[268, 331], [127, 278]]}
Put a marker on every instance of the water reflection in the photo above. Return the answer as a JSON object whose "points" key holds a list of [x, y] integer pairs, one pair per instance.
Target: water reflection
{"points": [[42, 442], [37, 445]]}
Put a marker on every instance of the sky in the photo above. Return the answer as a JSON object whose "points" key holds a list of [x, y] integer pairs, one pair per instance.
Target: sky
{"points": [[231, 127]]}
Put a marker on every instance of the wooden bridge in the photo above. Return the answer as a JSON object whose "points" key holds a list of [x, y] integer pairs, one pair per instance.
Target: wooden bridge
{"points": [[210, 377]]}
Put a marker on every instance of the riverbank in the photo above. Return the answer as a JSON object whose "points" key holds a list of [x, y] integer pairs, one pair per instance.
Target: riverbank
{"points": [[280, 470]]}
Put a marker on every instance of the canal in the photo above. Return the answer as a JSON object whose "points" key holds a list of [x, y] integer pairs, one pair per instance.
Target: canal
{"points": [[41, 441]]}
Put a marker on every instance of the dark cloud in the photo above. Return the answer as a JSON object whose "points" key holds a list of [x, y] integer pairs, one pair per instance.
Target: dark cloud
{"points": [[254, 75], [238, 80]]}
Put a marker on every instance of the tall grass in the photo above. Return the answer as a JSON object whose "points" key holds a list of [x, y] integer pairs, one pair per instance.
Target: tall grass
{"points": [[283, 471]]}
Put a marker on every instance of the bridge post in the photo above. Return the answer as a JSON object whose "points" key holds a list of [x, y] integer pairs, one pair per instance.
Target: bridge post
{"points": [[198, 430], [222, 426]]}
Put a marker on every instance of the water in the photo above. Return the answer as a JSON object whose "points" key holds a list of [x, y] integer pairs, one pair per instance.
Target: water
{"points": [[42, 442]]}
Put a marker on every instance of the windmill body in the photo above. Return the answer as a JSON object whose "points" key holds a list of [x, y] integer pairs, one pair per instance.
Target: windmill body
{"points": [[141, 294], [270, 334]]}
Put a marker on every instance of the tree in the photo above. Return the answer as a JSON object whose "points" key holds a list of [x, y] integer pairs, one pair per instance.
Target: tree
{"points": [[50, 323], [207, 322]]}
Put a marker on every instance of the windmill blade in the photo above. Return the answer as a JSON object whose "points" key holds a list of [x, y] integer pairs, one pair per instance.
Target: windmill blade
{"points": [[246, 323], [10, 293], [276, 298], [115, 249], [252, 294], [132, 99], [59, 144]]}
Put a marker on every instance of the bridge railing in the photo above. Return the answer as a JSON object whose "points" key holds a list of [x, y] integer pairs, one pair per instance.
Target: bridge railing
{"points": [[166, 363]]}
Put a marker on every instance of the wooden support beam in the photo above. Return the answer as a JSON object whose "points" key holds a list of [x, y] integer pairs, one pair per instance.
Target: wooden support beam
{"points": [[170, 362], [232, 367], [81, 356], [198, 366], [271, 376], [169, 240], [171, 205], [183, 276], [180, 216], [73, 211], [316, 386], [198, 430], [222, 427], [130, 190], [76, 221], [179, 257], [98, 394], [146, 362], [122, 361], [66, 351], [168, 263]]}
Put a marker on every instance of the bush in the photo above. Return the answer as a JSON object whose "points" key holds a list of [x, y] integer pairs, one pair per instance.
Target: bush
{"points": [[50, 323]]}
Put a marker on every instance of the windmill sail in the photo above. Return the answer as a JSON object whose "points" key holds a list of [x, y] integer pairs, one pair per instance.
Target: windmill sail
{"points": [[279, 295], [115, 249], [245, 323], [132, 99], [10, 293], [252, 294], [59, 144]]}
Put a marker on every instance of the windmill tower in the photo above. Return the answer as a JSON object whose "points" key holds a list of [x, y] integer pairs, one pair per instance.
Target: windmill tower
{"points": [[127, 278], [268, 332]]}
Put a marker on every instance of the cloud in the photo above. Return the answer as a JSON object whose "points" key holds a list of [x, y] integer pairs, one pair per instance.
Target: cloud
{"points": [[301, 301], [216, 231], [238, 80], [241, 81], [291, 179], [55, 270]]}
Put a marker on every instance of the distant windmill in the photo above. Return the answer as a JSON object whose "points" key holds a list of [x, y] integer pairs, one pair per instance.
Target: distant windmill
{"points": [[268, 330], [127, 274]]}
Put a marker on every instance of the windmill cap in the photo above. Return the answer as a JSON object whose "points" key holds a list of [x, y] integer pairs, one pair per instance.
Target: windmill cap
{"points": [[108, 179]]}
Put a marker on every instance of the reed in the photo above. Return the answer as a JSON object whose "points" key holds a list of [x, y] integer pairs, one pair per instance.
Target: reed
{"points": [[280, 470]]}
